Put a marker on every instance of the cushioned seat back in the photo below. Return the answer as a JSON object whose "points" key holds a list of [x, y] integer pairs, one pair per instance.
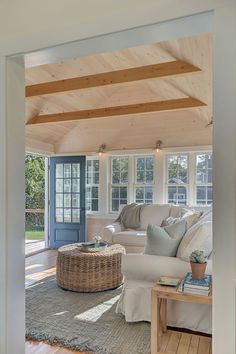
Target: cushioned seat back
{"points": [[154, 214]]}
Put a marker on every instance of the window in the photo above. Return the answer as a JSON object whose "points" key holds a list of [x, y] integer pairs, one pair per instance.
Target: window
{"points": [[92, 185], [119, 182], [177, 178], [144, 179], [204, 179]]}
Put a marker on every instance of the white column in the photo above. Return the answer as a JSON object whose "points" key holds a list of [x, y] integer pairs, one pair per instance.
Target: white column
{"points": [[103, 183], [12, 206], [224, 181], [160, 177], [191, 179]]}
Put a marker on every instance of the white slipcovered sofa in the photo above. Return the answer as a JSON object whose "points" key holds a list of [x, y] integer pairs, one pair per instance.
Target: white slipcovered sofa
{"points": [[134, 240], [141, 272]]}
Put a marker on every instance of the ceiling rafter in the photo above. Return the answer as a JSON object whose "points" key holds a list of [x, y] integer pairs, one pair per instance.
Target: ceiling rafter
{"points": [[172, 68], [106, 112]]}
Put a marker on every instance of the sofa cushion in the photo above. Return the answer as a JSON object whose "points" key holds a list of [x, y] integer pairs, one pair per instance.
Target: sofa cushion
{"points": [[175, 211], [130, 238], [154, 214], [189, 215], [198, 237], [164, 241]]}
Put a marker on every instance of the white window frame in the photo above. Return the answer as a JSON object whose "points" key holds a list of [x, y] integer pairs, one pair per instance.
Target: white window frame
{"points": [[90, 212], [186, 185], [150, 185], [196, 184], [111, 185]]}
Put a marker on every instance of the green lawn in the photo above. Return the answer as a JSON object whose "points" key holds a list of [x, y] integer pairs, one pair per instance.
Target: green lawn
{"points": [[34, 235]]}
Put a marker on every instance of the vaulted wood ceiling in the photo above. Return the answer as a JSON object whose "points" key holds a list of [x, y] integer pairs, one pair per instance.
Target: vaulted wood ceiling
{"points": [[116, 95]]}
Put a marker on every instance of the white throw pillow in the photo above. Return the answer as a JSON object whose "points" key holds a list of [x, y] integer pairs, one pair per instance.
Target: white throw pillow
{"points": [[198, 237], [191, 216]]}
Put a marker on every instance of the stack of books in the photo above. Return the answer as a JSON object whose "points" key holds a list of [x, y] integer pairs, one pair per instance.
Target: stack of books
{"points": [[195, 286]]}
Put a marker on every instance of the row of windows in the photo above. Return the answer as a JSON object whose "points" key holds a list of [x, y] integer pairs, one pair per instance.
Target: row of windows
{"points": [[144, 179]]}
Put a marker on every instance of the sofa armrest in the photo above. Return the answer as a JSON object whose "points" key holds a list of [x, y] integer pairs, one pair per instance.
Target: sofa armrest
{"points": [[149, 268], [109, 230]]}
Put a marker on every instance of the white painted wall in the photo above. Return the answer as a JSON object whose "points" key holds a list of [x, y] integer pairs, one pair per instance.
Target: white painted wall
{"points": [[31, 25], [12, 212], [224, 181]]}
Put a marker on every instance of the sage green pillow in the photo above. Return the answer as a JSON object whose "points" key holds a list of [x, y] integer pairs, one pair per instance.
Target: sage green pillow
{"points": [[164, 241]]}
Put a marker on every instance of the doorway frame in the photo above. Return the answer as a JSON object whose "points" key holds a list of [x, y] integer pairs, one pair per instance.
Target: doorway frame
{"points": [[224, 177]]}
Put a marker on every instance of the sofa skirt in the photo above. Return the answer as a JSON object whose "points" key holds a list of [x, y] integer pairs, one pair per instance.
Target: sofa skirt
{"points": [[135, 305]]}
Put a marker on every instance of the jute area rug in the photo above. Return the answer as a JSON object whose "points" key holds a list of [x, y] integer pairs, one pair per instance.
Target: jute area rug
{"points": [[85, 322]]}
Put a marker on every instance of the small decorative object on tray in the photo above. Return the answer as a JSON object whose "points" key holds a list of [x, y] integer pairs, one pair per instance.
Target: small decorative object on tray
{"points": [[196, 286], [169, 281], [93, 246]]}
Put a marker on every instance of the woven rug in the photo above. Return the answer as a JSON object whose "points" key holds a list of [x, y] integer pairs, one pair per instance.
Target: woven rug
{"points": [[86, 322]]}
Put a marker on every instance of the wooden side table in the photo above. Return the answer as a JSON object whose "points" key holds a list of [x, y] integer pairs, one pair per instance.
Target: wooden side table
{"points": [[159, 296]]}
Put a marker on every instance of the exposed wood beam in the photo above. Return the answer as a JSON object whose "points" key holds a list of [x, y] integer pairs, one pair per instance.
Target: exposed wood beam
{"points": [[172, 68], [106, 112]]}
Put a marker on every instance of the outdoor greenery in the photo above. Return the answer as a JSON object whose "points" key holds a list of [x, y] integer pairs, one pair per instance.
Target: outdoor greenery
{"points": [[34, 195]]}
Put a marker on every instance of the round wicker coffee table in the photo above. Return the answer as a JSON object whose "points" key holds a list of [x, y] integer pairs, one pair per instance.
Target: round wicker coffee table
{"points": [[89, 272]]}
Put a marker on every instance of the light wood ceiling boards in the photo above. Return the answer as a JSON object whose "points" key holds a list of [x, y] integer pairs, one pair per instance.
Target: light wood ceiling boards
{"points": [[173, 126], [173, 68]]}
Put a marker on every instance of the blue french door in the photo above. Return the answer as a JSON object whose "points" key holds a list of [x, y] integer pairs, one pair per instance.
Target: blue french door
{"points": [[67, 200]]}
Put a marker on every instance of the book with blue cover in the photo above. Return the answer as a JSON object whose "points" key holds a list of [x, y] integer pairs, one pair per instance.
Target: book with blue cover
{"points": [[203, 283]]}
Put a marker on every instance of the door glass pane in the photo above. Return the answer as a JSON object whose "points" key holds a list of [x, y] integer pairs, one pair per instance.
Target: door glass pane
{"points": [[59, 185], [67, 170], [59, 170], [75, 185], [76, 200], [59, 200], [67, 215], [59, 215], [67, 197], [67, 185], [67, 201], [75, 170], [76, 215]]}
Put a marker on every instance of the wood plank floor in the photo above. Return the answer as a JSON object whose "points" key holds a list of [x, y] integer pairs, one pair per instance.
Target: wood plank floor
{"points": [[38, 267], [174, 342], [41, 265], [32, 247]]}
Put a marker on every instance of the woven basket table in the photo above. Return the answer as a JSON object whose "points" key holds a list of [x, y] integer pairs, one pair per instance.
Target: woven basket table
{"points": [[89, 272]]}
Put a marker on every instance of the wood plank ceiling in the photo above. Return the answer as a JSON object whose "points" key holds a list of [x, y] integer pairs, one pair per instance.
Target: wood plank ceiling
{"points": [[140, 90]]}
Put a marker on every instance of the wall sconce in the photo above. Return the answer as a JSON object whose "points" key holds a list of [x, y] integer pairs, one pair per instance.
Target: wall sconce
{"points": [[101, 149], [158, 146]]}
